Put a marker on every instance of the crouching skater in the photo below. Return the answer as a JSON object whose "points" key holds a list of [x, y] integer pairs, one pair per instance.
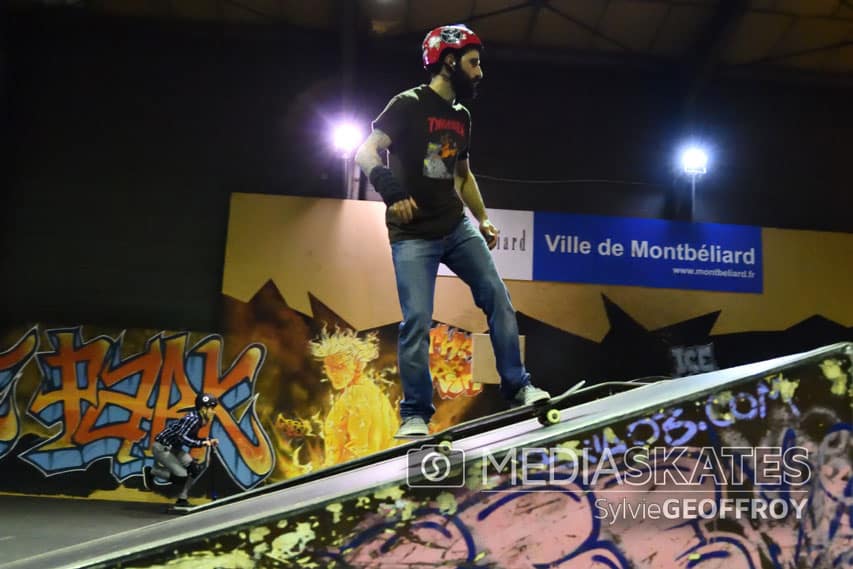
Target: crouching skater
{"points": [[172, 461]]}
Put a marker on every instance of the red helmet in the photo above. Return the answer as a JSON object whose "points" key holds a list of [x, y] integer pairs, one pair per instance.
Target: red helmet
{"points": [[457, 36]]}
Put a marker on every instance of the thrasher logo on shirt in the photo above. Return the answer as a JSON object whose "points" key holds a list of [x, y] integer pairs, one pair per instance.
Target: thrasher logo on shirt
{"points": [[445, 136]]}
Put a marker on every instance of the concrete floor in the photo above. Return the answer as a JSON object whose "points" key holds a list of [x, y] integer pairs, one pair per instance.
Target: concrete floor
{"points": [[29, 526]]}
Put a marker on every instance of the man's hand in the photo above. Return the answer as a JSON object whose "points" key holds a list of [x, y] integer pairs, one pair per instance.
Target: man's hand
{"points": [[404, 210], [490, 233], [211, 442]]}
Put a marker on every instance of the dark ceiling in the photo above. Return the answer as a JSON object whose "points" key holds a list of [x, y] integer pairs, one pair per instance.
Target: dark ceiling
{"points": [[802, 39]]}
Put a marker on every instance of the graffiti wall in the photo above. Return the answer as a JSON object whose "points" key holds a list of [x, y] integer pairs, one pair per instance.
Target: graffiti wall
{"points": [[79, 407], [78, 410], [755, 475]]}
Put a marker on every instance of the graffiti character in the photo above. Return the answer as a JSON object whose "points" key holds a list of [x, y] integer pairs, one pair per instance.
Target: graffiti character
{"points": [[434, 166], [448, 147], [172, 461], [361, 420]]}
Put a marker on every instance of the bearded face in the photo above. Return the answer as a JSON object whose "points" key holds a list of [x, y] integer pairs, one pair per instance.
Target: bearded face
{"points": [[464, 87], [466, 74]]}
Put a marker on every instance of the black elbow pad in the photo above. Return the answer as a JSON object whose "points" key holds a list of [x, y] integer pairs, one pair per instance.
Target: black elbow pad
{"points": [[387, 185]]}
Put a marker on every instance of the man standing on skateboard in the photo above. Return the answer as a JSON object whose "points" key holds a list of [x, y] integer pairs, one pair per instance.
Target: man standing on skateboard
{"points": [[427, 133], [172, 461]]}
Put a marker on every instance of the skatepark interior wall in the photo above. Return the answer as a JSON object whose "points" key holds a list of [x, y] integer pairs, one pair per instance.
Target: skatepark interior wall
{"points": [[307, 313], [744, 467]]}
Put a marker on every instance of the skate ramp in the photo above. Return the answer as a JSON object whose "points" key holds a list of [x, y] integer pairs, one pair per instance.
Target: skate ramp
{"points": [[743, 467]]}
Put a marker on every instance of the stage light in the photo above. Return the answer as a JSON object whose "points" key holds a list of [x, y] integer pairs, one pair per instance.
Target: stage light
{"points": [[346, 136], [694, 160]]}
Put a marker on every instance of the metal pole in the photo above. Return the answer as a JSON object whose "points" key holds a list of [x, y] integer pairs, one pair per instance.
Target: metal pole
{"points": [[347, 176], [693, 198], [348, 23]]}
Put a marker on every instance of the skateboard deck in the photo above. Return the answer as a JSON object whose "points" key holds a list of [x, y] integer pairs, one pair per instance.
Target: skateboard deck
{"points": [[547, 412]]}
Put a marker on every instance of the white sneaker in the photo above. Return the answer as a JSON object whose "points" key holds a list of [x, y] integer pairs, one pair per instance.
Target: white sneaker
{"points": [[412, 428], [528, 395]]}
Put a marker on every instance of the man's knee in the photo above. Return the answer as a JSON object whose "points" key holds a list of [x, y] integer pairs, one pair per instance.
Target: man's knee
{"points": [[194, 469], [492, 295], [418, 321]]}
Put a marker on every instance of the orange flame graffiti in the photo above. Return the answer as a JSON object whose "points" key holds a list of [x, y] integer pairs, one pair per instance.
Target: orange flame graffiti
{"points": [[450, 362]]}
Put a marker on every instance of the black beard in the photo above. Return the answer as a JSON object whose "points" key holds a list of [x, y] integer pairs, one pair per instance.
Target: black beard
{"points": [[465, 89]]}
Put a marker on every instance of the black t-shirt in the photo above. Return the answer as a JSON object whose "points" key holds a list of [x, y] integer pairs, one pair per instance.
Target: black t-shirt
{"points": [[428, 135]]}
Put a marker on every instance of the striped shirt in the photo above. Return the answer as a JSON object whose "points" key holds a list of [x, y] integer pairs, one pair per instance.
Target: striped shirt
{"points": [[183, 432]]}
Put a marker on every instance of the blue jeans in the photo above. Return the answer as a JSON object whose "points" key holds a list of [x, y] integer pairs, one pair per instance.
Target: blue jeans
{"points": [[416, 262]]}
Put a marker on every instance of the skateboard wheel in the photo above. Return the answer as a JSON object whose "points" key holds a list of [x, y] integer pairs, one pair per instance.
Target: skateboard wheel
{"points": [[445, 446], [552, 417]]}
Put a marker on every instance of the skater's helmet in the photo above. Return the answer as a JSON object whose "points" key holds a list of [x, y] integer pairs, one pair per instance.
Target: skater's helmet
{"points": [[456, 37], [205, 400]]}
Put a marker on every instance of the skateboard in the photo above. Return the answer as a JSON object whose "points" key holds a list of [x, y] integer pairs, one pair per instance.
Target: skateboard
{"points": [[546, 411]]}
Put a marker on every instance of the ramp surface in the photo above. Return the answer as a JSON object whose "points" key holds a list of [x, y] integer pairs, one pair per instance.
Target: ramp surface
{"points": [[744, 467]]}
